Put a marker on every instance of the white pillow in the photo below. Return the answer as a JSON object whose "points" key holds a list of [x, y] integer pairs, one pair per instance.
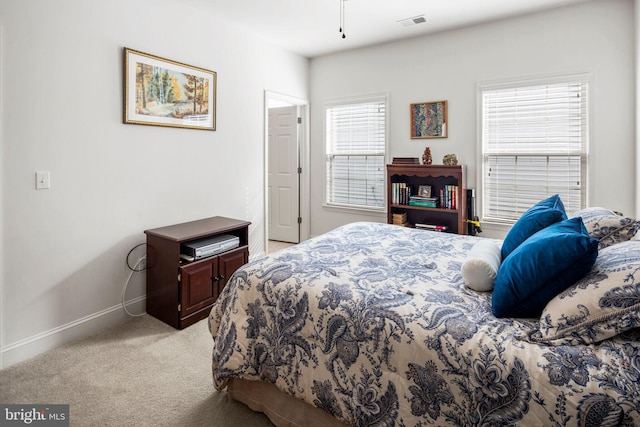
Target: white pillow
{"points": [[480, 268]]}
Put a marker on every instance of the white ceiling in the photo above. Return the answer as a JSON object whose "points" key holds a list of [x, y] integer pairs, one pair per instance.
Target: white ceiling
{"points": [[311, 27]]}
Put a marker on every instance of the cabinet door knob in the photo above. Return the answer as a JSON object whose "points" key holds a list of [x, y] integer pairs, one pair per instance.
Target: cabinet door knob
{"points": [[221, 277], [216, 278]]}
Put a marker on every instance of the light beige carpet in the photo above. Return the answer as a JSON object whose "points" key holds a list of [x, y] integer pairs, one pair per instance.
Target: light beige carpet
{"points": [[275, 245], [139, 373]]}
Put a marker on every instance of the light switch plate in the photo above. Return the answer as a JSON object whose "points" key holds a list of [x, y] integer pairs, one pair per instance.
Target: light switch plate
{"points": [[43, 180]]}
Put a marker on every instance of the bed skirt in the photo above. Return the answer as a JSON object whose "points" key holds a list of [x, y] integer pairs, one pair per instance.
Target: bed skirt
{"points": [[281, 409]]}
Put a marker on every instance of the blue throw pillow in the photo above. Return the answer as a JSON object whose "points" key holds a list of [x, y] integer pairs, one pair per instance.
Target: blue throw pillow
{"points": [[546, 264], [539, 216]]}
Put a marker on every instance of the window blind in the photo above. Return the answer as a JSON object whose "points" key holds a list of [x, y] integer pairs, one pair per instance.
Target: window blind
{"points": [[355, 153], [534, 144]]}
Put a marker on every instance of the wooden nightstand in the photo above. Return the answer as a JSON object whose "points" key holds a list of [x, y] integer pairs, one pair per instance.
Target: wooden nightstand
{"points": [[179, 292]]}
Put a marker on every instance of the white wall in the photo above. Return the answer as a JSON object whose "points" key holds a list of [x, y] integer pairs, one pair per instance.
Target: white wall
{"points": [[62, 96], [637, 93], [596, 37]]}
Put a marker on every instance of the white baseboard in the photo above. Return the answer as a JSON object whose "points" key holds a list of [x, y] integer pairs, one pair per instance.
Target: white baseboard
{"points": [[32, 346]]}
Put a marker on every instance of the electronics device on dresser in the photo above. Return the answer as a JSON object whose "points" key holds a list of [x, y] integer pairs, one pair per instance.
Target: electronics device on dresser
{"points": [[197, 249]]}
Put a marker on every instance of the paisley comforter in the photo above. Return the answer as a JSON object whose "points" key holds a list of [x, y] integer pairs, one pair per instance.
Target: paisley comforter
{"points": [[373, 324]]}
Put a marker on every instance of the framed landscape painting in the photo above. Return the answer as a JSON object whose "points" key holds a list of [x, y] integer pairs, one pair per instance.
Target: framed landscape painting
{"points": [[429, 120], [162, 92]]}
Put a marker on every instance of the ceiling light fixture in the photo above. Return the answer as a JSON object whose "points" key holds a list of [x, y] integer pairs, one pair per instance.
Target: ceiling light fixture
{"points": [[342, 18]]}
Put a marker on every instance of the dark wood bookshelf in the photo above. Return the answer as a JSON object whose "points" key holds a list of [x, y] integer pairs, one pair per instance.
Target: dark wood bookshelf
{"points": [[437, 176]]}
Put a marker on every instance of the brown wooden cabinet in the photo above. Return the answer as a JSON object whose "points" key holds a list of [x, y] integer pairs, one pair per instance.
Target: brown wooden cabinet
{"points": [[437, 177], [181, 293]]}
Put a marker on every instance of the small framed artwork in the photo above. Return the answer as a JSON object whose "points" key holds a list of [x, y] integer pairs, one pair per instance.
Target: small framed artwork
{"points": [[424, 191], [429, 120], [162, 92]]}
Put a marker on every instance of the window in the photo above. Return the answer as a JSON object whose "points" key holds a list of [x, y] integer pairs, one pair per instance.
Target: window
{"points": [[355, 139], [535, 140]]}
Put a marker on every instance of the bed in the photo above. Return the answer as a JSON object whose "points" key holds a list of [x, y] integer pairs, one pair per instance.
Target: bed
{"points": [[374, 324]]}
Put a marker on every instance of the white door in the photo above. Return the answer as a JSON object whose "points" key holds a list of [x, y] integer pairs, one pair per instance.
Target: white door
{"points": [[283, 175]]}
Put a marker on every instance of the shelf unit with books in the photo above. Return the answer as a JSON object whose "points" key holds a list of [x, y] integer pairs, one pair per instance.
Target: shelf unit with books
{"points": [[447, 193]]}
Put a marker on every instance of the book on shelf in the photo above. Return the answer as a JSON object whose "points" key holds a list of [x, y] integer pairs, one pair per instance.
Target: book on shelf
{"points": [[406, 161], [400, 193], [423, 204], [433, 227], [400, 219], [423, 199], [428, 202], [449, 196]]}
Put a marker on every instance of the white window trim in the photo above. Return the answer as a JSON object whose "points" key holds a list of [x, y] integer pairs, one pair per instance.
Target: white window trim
{"points": [[529, 81], [332, 102]]}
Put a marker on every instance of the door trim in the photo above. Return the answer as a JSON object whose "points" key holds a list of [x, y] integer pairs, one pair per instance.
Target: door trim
{"points": [[2, 311], [303, 153]]}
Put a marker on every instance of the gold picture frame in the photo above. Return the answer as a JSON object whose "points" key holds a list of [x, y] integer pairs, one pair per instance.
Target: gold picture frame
{"points": [[429, 120], [162, 92]]}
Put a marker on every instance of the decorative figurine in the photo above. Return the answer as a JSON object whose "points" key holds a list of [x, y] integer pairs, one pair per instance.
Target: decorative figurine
{"points": [[426, 157], [450, 160]]}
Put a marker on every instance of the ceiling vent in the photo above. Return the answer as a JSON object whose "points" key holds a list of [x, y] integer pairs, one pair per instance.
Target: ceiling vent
{"points": [[420, 19]]}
